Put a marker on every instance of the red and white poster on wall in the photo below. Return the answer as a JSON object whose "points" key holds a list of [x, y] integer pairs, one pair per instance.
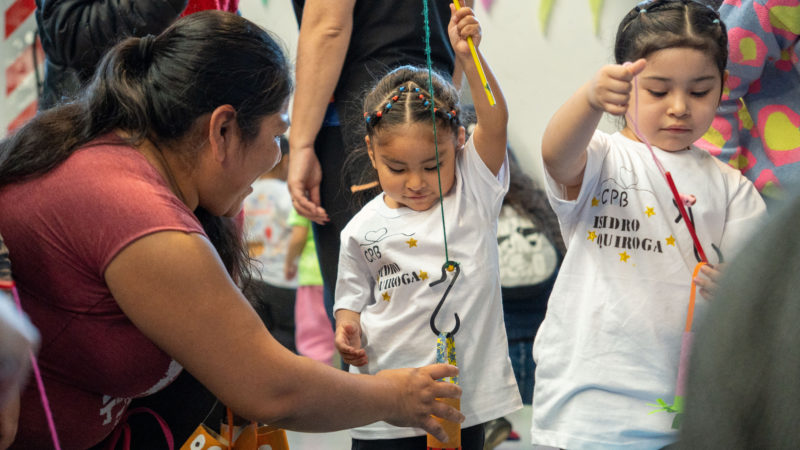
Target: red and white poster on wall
{"points": [[19, 55]]}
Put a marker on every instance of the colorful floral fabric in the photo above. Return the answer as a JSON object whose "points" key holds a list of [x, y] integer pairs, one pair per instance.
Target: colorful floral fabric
{"points": [[757, 129]]}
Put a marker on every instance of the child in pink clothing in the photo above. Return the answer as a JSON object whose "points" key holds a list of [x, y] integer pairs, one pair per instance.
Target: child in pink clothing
{"points": [[313, 329]]}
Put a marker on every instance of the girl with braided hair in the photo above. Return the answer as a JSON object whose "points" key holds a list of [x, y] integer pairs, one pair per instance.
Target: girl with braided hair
{"points": [[435, 182]]}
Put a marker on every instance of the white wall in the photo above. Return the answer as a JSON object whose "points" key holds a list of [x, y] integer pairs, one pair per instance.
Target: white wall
{"points": [[537, 72], [276, 16]]}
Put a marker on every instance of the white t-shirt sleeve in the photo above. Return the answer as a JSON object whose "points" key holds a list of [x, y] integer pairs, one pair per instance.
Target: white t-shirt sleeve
{"points": [[746, 213], [488, 188], [567, 210], [354, 283]]}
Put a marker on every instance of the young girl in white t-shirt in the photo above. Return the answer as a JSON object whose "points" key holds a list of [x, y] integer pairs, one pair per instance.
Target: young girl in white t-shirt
{"points": [[389, 309], [608, 350]]}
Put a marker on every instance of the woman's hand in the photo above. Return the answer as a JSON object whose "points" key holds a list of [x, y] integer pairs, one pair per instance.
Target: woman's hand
{"points": [[417, 391], [9, 419], [18, 341]]}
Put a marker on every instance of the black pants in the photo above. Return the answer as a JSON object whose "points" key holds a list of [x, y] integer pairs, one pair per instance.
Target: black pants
{"points": [[471, 439], [184, 405], [338, 202], [275, 306]]}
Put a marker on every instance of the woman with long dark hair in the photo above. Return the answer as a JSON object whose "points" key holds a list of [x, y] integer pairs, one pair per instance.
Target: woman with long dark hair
{"points": [[114, 211]]}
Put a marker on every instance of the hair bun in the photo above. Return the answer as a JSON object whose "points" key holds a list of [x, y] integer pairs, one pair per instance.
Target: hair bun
{"points": [[146, 48]]}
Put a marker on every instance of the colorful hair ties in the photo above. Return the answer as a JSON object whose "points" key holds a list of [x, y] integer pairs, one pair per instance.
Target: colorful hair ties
{"points": [[370, 119]]}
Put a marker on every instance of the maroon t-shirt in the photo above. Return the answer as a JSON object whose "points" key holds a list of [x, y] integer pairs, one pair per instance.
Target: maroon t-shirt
{"points": [[62, 230]]}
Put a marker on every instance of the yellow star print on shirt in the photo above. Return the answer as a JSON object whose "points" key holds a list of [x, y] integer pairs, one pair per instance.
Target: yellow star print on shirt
{"points": [[592, 236], [649, 211], [411, 242], [386, 296], [670, 241], [595, 202], [423, 275], [624, 256]]}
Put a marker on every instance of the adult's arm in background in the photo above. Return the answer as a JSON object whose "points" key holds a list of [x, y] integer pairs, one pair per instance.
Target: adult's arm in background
{"points": [[325, 31]]}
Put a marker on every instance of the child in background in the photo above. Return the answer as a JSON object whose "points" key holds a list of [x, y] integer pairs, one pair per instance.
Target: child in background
{"points": [[393, 248], [609, 345], [313, 333], [267, 211]]}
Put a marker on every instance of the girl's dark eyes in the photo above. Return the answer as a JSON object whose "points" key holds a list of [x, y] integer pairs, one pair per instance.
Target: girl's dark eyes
{"points": [[659, 94], [393, 170]]}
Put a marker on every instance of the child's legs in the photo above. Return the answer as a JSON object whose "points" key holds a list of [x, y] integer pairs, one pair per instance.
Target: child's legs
{"points": [[313, 332], [521, 352], [275, 306], [471, 439]]}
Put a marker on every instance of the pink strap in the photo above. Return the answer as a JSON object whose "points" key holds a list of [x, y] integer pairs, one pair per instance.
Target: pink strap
{"points": [[636, 125], [688, 337], [39, 382], [667, 175], [125, 429]]}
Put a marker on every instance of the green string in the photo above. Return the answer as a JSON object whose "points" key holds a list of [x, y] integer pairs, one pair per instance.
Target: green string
{"points": [[433, 117]]}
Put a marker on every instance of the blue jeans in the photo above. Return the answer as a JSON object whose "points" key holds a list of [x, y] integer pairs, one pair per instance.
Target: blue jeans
{"points": [[521, 352]]}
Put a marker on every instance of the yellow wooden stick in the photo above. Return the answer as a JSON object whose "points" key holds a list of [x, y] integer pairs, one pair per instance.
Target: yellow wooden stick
{"points": [[478, 65]]}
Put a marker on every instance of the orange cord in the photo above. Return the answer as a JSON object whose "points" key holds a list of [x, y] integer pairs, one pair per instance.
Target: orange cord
{"points": [[692, 295]]}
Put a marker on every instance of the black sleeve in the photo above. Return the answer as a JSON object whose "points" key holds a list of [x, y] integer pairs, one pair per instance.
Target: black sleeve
{"points": [[76, 33], [298, 6]]}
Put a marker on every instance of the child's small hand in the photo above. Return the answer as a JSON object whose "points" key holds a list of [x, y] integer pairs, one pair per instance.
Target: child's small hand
{"points": [[708, 282], [463, 24], [289, 270], [610, 89], [348, 342]]}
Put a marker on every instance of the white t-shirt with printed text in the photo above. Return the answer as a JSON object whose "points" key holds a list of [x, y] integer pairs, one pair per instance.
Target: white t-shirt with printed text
{"points": [[388, 259], [609, 345]]}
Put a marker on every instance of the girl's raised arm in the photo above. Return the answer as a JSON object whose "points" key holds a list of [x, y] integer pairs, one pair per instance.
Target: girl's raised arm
{"points": [[572, 126], [490, 133]]}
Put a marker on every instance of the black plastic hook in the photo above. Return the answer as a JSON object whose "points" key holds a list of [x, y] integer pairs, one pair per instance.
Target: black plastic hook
{"points": [[457, 268]]}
